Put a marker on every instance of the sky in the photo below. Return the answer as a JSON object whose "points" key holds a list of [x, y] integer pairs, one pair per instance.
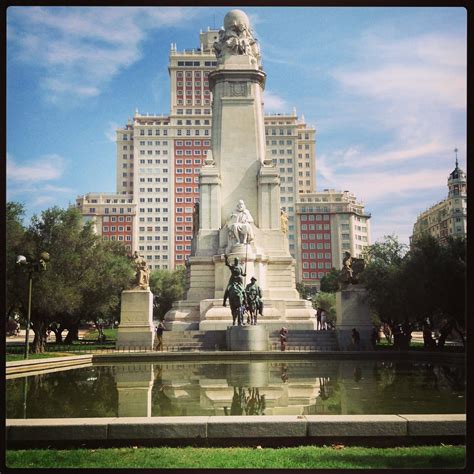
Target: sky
{"points": [[385, 88]]}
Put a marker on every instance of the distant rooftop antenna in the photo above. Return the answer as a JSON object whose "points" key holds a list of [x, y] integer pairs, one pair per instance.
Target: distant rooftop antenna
{"points": [[456, 151]]}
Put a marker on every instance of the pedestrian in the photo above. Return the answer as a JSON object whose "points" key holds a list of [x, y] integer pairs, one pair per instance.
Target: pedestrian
{"points": [[283, 336], [375, 338], [387, 332], [323, 320], [355, 339], [428, 342], [159, 336], [318, 319]]}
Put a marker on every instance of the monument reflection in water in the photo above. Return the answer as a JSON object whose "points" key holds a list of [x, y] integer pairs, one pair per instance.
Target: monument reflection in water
{"points": [[240, 388]]}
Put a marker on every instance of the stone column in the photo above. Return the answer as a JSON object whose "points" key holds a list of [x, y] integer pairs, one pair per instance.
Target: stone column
{"points": [[136, 320], [210, 198], [352, 309], [238, 134], [247, 338], [268, 196]]}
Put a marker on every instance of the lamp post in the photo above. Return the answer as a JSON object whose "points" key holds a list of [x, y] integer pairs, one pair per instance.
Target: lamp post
{"points": [[31, 267]]}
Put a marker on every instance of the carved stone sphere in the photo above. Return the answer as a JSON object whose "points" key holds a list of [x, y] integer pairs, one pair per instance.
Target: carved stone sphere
{"points": [[236, 17]]}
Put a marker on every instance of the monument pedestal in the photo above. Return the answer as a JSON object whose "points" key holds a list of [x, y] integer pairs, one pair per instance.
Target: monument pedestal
{"points": [[352, 308], [246, 338], [136, 320]]}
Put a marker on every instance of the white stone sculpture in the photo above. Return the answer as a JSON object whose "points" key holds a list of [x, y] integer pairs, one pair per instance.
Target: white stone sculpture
{"points": [[236, 38], [239, 229]]}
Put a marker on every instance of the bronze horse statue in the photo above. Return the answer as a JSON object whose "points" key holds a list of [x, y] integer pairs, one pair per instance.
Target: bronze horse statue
{"points": [[237, 302]]}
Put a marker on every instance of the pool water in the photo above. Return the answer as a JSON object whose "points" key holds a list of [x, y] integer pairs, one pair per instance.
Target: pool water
{"points": [[240, 388]]}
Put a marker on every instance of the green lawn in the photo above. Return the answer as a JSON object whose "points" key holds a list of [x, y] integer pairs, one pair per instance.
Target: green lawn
{"points": [[110, 334], [300, 457]]}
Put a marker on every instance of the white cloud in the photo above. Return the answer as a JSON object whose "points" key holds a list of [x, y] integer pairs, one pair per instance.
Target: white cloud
{"points": [[43, 200], [414, 85], [45, 168], [79, 50], [410, 95], [274, 103], [111, 130]]}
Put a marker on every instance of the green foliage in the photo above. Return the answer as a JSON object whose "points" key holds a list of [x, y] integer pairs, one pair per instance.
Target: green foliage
{"points": [[83, 279], [429, 280], [167, 286], [16, 244], [330, 281], [306, 292], [326, 301]]}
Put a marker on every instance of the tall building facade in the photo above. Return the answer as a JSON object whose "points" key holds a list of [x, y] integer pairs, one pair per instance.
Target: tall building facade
{"points": [[159, 157], [448, 217], [328, 223], [112, 216]]}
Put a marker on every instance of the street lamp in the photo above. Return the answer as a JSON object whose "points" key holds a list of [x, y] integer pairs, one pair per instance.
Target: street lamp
{"points": [[31, 267]]}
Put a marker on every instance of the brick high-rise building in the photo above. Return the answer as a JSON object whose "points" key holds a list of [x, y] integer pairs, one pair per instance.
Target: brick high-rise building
{"points": [[159, 158], [329, 223]]}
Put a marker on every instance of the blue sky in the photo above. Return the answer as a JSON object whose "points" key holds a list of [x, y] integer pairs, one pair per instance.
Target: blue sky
{"points": [[384, 87]]}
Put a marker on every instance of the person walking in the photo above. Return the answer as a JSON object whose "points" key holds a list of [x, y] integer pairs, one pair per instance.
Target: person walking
{"points": [[355, 339], [283, 335], [318, 319], [159, 336], [323, 320]]}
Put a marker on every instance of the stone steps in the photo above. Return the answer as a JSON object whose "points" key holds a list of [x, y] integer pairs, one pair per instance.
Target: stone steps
{"points": [[297, 340]]}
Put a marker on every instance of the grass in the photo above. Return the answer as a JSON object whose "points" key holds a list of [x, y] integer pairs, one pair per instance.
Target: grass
{"points": [[336, 457], [110, 334]]}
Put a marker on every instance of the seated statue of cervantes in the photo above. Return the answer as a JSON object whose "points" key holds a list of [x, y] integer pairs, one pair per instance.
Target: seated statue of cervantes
{"points": [[240, 230]]}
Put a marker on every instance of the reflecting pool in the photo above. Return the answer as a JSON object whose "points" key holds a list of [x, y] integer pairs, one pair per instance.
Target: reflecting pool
{"points": [[242, 388]]}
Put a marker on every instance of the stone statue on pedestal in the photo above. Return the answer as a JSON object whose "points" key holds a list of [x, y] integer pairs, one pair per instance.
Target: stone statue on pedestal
{"points": [[239, 229], [235, 290], [351, 268], [142, 275], [283, 221], [253, 295], [236, 38]]}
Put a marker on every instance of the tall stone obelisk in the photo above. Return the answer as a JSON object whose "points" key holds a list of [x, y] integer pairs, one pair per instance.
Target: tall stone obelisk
{"points": [[239, 211]]}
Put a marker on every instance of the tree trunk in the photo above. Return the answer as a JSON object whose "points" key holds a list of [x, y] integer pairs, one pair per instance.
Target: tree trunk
{"points": [[58, 334], [73, 333], [39, 341]]}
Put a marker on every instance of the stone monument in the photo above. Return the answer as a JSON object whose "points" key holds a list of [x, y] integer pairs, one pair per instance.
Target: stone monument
{"points": [[239, 212], [136, 314], [352, 307]]}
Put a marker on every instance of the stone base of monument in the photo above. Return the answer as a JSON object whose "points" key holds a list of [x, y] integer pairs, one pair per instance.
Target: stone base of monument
{"points": [[210, 315], [246, 338], [352, 309], [136, 320], [184, 316]]}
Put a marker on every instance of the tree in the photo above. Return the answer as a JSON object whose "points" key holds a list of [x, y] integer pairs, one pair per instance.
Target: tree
{"points": [[441, 267], [83, 279], [429, 280], [382, 278], [167, 287], [306, 292], [330, 281], [111, 273], [16, 244]]}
